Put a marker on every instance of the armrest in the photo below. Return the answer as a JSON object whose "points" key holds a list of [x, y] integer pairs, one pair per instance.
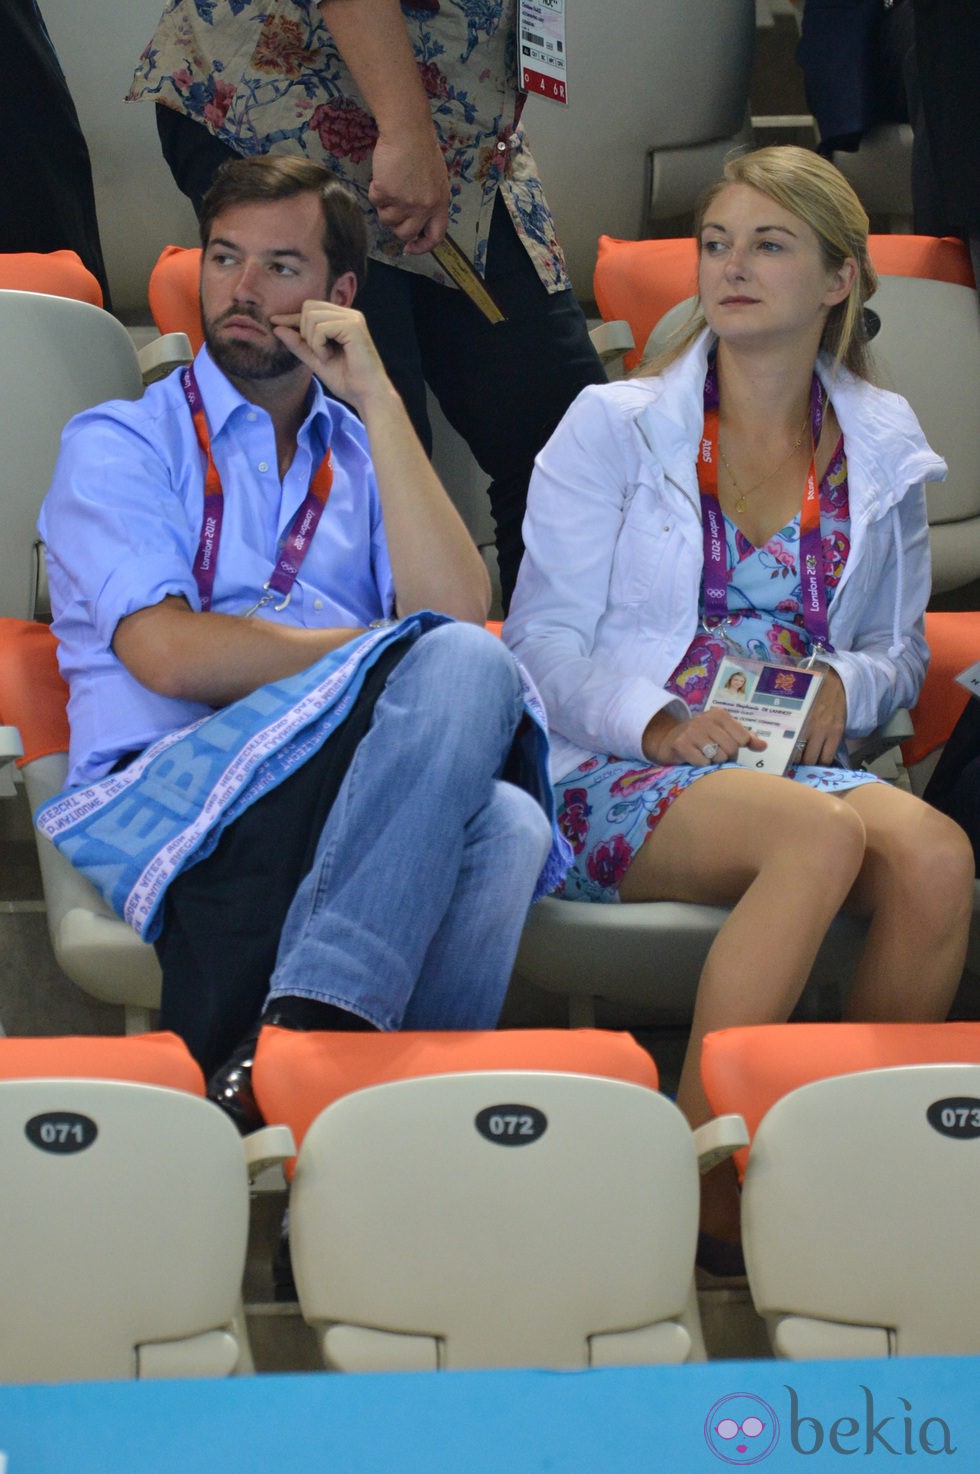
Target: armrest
{"points": [[879, 752], [10, 744], [611, 339], [161, 356], [10, 748], [719, 1139], [270, 1146]]}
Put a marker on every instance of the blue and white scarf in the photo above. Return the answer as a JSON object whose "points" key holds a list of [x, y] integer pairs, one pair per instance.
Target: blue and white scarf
{"points": [[134, 831]]}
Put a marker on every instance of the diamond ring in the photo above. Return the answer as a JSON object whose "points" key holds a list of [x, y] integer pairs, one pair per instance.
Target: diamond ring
{"points": [[710, 750]]}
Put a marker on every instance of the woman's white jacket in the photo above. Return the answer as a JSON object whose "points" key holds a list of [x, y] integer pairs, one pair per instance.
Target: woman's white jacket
{"points": [[607, 598]]}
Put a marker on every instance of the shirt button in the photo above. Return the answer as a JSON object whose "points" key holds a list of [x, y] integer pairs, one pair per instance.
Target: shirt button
{"points": [[317, 603], [251, 416], [501, 146], [263, 465]]}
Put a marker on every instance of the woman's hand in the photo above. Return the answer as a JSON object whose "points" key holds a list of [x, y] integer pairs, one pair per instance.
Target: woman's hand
{"points": [[702, 741], [824, 727]]}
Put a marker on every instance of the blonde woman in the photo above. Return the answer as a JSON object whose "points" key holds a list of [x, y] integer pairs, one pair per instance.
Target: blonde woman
{"points": [[752, 494]]}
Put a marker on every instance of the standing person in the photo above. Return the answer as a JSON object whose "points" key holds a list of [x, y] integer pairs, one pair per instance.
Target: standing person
{"points": [[946, 153], [331, 842], [853, 57], [48, 197], [416, 107], [750, 493]]}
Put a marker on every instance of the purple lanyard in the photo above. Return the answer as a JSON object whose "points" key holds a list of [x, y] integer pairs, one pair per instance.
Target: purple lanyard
{"points": [[812, 571], [295, 544]]}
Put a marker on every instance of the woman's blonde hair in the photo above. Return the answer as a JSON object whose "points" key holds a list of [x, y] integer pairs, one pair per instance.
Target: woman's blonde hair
{"points": [[814, 191]]}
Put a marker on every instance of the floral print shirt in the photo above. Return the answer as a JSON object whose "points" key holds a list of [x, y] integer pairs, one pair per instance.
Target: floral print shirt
{"points": [[266, 76]]}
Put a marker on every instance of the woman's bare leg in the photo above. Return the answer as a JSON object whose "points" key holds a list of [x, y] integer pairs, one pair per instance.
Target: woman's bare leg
{"points": [[785, 858], [916, 886]]}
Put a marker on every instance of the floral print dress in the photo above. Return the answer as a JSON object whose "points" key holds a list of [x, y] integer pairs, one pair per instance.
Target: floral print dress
{"points": [[607, 806]]}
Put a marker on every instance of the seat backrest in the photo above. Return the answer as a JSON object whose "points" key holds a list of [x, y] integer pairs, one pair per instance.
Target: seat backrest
{"points": [[55, 273], [936, 258], [639, 281], [859, 1213], [953, 637], [880, 172], [59, 357], [928, 349], [125, 1213], [98, 951], [173, 293], [297, 1075], [506, 1218], [748, 1069], [33, 694], [665, 78]]}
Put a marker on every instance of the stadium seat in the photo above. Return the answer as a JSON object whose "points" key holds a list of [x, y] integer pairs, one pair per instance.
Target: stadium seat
{"points": [[125, 1214], [637, 282], [173, 293], [92, 946], [953, 637], [59, 357], [648, 957], [53, 273], [516, 1198], [862, 1188], [880, 173]]}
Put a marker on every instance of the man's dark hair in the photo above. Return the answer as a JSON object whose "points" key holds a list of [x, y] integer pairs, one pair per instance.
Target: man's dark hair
{"points": [[268, 178]]}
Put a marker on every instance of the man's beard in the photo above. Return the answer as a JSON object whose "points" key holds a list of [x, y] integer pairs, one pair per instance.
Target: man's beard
{"points": [[241, 358]]}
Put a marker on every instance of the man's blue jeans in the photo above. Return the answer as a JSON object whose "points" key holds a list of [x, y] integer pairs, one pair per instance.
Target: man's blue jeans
{"points": [[410, 904], [411, 913]]}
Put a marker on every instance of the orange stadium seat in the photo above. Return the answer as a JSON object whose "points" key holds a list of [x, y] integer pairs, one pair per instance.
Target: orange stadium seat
{"points": [[639, 281], [173, 293], [748, 1069], [862, 1188], [126, 1211], [54, 273], [297, 1075], [93, 946], [517, 1198]]}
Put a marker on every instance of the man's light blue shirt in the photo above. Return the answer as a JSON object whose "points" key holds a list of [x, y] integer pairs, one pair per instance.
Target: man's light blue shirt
{"points": [[122, 521]]}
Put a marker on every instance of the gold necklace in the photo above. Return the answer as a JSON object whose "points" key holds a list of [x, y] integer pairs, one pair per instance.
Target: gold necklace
{"points": [[740, 496]]}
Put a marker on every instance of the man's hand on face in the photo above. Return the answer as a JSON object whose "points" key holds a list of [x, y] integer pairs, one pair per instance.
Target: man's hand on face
{"points": [[335, 343]]}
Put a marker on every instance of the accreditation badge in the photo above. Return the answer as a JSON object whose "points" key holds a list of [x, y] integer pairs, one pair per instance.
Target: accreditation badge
{"points": [[543, 57], [970, 678], [771, 700]]}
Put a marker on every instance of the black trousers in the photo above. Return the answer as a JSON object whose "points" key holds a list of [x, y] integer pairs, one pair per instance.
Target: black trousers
{"points": [[503, 387], [223, 916], [954, 787], [48, 198]]}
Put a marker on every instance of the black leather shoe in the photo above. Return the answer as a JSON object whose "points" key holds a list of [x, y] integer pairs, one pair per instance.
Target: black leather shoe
{"points": [[230, 1087]]}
